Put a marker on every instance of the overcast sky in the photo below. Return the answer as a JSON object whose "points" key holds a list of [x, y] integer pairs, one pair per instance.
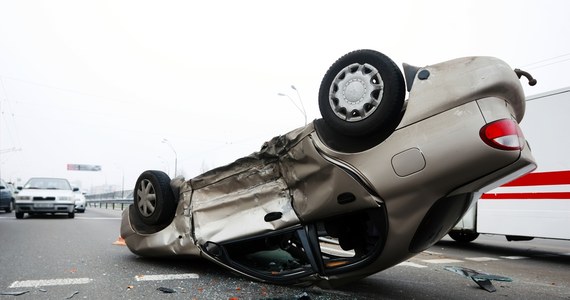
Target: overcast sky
{"points": [[105, 82]]}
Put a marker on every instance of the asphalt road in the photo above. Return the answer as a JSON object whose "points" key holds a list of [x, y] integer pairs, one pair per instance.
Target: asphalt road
{"points": [[54, 257]]}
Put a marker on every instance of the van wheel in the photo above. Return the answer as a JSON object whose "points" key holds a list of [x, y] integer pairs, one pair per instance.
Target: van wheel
{"points": [[463, 236], [153, 198], [19, 215]]}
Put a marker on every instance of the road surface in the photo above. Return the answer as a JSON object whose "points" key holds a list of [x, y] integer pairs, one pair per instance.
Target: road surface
{"points": [[54, 257]]}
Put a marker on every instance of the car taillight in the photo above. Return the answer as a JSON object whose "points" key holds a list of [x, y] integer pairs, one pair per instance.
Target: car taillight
{"points": [[503, 134]]}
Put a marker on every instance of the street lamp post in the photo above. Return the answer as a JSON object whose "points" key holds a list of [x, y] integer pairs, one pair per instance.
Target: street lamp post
{"points": [[300, 108], [301, 101], [165, 141]]}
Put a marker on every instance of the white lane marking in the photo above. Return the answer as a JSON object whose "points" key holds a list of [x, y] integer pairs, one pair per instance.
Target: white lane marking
{"points": [[97, 218], [514, 257], [166, 277], [49, 282], [411, 264], [442, 261], [480, 259]]}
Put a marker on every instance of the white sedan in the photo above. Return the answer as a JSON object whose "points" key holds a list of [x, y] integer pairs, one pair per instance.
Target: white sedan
{"points": [[80, 202], [45, 195]]}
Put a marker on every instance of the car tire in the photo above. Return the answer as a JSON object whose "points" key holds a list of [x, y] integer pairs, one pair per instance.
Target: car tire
{"points": [[463, 236], [153, 198], [71, 215], [10, 207], [19, 215], [361, 96]]}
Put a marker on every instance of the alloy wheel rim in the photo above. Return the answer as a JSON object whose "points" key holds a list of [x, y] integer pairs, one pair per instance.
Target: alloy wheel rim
{"points": [[146, 198], [356, 92]]}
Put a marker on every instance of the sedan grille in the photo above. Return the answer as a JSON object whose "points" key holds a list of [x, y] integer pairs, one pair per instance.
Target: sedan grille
{"points": [[44, 198]]}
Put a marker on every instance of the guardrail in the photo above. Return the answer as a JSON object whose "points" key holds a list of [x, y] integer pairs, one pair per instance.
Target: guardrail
{"points": [[109, 203]]}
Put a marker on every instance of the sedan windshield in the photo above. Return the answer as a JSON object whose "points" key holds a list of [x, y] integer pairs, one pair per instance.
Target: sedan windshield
{"points": [[48, 184]]}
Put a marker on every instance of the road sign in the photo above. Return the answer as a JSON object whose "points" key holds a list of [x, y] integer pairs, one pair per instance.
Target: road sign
{"points": [[79, 167]]}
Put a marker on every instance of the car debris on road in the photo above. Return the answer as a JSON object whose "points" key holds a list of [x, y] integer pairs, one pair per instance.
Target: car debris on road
{"points": [[482, 279]]}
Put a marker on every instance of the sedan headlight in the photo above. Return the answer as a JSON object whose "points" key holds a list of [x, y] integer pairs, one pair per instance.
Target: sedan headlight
{"points": [[65, 198], [23, 198]]}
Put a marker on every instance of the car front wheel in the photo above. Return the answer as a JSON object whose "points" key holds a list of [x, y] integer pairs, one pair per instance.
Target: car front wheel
{"points": [[153, 198]]}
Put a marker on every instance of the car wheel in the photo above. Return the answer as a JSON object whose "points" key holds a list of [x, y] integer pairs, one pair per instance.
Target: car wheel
{"points": [[153, 198], [10, 207], [362, 95], [462, 236], [71, 215], [19, 215]]}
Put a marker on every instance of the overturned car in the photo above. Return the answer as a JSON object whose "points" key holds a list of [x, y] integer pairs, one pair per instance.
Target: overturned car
{"points": [[374, 182]]}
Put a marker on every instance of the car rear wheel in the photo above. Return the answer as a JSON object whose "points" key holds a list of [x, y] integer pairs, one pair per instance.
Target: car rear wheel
{"points": [[154, 199], [361, 96]]}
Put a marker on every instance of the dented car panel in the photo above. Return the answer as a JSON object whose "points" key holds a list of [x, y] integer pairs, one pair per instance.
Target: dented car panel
{"points": [[310, 209]]}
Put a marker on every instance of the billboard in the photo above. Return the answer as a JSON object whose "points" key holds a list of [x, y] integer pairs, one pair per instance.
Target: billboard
{"points": [[80, 167]]}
